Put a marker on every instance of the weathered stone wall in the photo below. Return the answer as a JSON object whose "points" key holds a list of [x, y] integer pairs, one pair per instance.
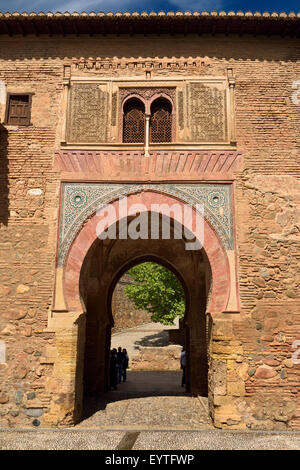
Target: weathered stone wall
{"points": [[29, 195], [157, 358], [254, 381], [124, 313], [255, 352]]}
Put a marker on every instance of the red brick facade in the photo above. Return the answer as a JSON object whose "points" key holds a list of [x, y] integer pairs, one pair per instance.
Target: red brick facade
{"points": [[254, 370]]}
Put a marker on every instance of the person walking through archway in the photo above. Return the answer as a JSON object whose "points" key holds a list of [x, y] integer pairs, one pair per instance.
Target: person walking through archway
{"points": [[183, 365], [113, 373], [119, 364], [125, 364]]}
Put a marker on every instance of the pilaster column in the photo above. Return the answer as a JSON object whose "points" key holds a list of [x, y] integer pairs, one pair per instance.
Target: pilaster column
{"points": [[231, 82], [64, 387], [147, 133], [64, 104]]}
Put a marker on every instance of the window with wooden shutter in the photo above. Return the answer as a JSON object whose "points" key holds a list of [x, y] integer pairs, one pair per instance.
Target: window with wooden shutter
{"points": [[134, 121], [161, 121], [18, 110]]}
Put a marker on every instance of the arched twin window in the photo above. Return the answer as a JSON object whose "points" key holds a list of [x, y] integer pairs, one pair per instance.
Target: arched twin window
{"points": [[134, 121], [134, 127], [161, 121]]}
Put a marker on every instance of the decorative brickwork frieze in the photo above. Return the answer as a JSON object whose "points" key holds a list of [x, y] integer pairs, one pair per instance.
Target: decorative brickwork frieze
{"points": [[106, 65]]}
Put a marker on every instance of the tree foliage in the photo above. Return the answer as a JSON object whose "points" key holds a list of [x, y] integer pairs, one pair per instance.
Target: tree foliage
{"points": [[157, 290]]}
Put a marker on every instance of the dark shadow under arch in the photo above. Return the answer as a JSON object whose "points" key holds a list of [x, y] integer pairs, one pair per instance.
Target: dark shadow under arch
{"points": [[99, 277]]}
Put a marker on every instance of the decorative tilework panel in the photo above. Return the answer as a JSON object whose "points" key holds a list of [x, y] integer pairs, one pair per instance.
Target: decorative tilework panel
{"points": [[81, 200]]}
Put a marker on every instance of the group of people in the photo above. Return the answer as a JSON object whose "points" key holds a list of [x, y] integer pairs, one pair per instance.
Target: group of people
{"points": [[118, 365], [119, 362]]}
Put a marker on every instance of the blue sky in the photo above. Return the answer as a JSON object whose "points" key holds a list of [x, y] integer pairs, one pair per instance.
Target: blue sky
{"points": [[149, 5]]}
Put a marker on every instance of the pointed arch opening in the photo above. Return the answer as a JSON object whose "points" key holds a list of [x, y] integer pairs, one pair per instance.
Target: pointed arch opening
{"points": [[91, 268], [103, 266], [134, 121], [161, 121]]}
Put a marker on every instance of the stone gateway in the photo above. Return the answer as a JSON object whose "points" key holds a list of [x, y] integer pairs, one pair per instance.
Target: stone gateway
{"points": [[163, 110]]}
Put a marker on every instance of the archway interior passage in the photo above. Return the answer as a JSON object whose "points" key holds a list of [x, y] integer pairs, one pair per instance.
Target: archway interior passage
{"points": [[105, 263], [148, 306]]}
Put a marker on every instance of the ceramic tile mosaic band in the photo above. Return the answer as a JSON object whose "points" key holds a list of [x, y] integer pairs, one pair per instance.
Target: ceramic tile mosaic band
{"points": [[81, 200]]}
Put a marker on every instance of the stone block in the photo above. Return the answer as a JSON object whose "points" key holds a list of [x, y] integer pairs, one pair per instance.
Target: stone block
{"points": [[265, 372], [34, 412], [236, 389]]}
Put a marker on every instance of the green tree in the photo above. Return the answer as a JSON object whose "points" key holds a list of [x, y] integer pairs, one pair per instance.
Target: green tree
{"points": [[157, 290]]}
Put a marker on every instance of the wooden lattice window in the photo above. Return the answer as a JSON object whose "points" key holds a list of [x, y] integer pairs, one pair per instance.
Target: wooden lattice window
{"points": [[161, 121], [134, 121], [18, 110]]}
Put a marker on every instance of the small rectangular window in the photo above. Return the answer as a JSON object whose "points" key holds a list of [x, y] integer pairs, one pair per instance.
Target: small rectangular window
{"points": [[18, 110]]}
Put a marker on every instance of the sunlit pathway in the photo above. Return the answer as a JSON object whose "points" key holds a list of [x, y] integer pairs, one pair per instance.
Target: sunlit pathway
{"points": [[148, 400], [149, 334]]}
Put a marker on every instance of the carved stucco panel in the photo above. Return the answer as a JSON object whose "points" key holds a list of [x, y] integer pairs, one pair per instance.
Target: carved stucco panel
{"points": [[207, 120], [88, 111]]}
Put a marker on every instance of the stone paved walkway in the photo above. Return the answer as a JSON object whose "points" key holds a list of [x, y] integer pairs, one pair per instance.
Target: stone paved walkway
{"points": [[148, 400], [96, 439], [149, 412]]}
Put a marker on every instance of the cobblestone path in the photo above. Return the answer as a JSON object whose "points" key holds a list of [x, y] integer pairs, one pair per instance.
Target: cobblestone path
{"points": [[98, 439], [148, 400]]}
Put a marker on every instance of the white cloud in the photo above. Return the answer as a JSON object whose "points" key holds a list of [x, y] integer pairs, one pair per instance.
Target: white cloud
{"points": [[106, 5], [79, 5], [114, 5], [22, 5], [198, 5], [96, 5], [67, 5]]}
